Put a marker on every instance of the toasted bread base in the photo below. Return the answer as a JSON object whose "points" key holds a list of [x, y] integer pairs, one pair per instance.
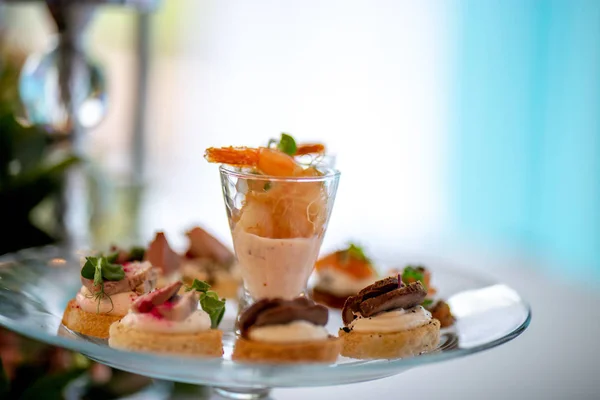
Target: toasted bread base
{"points": [[322, 351], [328, 299], [408, 343], [86, 323], [206, 344]]}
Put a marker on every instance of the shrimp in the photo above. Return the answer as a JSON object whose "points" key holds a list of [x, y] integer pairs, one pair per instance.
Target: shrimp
{"points": [[268, 161], [280, 209], [310, 148]]}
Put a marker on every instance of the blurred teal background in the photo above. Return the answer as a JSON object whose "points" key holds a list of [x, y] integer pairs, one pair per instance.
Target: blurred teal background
{"points": [[526, 129]]}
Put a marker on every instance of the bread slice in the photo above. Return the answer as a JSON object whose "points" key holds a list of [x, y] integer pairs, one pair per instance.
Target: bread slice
{"points": [[363, 345], [86, 323], [328, 299], [321, 351], [206, 343]]}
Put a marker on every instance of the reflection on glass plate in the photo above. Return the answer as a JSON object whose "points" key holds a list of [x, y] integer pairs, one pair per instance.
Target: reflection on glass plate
{"points": [[35, 286]]}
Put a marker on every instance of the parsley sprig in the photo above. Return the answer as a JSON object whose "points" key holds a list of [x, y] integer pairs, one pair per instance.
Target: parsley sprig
{"points": [[102, 269], [210, 302]]}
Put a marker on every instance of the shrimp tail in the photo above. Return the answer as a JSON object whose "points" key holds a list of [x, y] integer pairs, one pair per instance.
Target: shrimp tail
{"points": [[237, 156], [312, 148]]}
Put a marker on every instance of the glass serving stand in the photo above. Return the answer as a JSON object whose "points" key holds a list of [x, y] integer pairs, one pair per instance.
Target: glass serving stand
{"points": [[35, 286]]}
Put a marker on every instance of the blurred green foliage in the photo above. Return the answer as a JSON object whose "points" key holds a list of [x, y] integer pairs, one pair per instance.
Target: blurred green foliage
{"points": [[31, 169]]}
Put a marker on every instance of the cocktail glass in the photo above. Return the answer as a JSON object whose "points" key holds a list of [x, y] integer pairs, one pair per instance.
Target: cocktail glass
{"points": [[277, 225]]}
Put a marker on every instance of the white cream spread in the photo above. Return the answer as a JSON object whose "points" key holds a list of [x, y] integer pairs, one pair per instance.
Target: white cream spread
{"points": [[198, 321], [336, 282], [275, 267], [392, 321], [117, 304], [297, 331]]}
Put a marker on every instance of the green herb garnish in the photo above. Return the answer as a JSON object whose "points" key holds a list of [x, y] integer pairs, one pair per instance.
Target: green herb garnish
{"points": [[136, 254], [199, 286], [427, 302], [413, 274], [210, 302], [287, 144], [101, 269], [357, 252]]}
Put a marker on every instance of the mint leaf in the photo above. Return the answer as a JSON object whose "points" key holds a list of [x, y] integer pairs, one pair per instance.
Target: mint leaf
{"points": [[287, 144], [214, 307], [210, 302], [99, 269], [112, 258], [89, 267], [199, 286], [427, 302], [212, 294], [112, 272]]}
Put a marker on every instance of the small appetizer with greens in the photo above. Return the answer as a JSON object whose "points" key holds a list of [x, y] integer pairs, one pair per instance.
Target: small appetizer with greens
{"points": [[165, 321], [207, 259], [285, 331], [342, 274], [110, 284], [386, 320]]}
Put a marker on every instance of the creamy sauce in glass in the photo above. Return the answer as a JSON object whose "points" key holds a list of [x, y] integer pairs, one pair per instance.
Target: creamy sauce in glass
{"points": [[275, 267]]}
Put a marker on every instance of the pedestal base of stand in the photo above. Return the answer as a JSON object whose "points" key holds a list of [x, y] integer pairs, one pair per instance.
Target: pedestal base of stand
{"points": [[243, 394]]}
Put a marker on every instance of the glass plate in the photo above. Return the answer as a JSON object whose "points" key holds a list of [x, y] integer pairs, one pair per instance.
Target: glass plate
{"points": [[36, 285]]}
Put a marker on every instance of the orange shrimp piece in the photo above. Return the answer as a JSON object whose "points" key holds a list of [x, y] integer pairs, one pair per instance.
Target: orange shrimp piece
{"points": [[276, 209], [355, 267], [309, 148], [268, 161]]}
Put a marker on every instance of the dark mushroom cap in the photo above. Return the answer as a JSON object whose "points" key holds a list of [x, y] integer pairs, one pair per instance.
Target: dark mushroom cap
{"points": [[384, 295], [278, 311]]}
